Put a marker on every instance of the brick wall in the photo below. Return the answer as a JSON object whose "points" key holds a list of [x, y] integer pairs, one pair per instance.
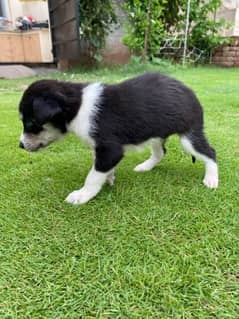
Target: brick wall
{"points": [[227, 55]]}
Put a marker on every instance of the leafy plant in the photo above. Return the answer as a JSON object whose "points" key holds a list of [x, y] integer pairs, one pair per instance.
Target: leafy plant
{"points": [[152, 21], [204, 29], [145, 28], [96, 19]]}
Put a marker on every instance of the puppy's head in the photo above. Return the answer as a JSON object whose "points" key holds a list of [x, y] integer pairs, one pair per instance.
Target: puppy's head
{"points": [[43, 111]]}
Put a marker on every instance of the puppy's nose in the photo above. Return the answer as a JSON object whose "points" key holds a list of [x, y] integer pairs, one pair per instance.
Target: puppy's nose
{"points": [[21, 145]]}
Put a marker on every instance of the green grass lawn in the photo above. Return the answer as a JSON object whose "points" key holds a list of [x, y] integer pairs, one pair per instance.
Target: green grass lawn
{"points": [[157, 245]]}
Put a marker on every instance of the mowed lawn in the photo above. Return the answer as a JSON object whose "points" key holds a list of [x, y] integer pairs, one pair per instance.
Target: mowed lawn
{"points": [[157, 245]]}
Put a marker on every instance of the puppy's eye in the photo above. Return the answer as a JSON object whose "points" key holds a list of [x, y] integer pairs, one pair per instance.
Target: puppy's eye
{"points": [[32, 127], [33, 122]]}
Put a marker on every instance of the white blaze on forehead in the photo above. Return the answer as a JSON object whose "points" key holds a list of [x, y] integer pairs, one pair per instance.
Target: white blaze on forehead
{"points": [[83, 123]]}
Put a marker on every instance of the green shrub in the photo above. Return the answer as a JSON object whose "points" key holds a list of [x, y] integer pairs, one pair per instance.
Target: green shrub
{"points": [[145, 28], [204, 29], [151, 22], [96, 19]]}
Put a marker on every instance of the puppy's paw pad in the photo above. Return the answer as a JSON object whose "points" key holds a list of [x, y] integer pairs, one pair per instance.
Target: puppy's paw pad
{"points": [[77, 197], [211, 181]]}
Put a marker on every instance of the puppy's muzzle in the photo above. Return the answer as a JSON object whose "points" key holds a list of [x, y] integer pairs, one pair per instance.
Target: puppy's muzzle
{"points": [[31, 148]]}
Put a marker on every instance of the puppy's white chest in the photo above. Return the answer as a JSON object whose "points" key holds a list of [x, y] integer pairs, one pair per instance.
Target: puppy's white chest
{"points": [[83, 124]]}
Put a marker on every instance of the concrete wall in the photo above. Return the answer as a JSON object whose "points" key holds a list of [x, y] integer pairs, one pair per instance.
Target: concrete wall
{"points": [[229, 11], [116, 51], [228, 55]]}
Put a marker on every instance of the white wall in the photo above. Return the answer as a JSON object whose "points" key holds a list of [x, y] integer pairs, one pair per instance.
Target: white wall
{"points": [[229, 11], [15, 10], [236, 28], [230, 4], [37, 9]]}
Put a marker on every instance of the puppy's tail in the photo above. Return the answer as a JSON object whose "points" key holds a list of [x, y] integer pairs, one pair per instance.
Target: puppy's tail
{"points": [[193, 159]]}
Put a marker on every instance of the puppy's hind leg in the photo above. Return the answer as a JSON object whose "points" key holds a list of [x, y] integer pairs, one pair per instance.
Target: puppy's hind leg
{"points": [[196, 144], [157, 153]]}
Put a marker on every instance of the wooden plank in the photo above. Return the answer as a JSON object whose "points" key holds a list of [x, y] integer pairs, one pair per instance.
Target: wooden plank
{"points": [[17, 51], [64, 21], [6, 52], [32, 48]]}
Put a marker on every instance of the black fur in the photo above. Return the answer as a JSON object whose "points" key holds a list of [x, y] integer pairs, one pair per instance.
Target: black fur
{"points": [[131, 112], [151, 105], [107, 156], [50, 101]]}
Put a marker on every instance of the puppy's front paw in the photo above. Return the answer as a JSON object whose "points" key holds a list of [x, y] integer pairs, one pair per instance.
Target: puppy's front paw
{"points": [[78, 197], [211, 181]]}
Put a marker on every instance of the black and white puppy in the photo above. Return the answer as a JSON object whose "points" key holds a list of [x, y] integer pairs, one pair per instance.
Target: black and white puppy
{"points": [[109, 118]]}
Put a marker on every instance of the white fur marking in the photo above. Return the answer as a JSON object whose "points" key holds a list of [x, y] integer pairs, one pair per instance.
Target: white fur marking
{"points": [[45, 137], [147, 165], [83, 123], [93, 184], [155, 158], [211, 175]]}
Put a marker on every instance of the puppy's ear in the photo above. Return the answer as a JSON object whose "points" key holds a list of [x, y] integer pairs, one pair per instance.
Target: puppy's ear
{"points": [[44, 109]]}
